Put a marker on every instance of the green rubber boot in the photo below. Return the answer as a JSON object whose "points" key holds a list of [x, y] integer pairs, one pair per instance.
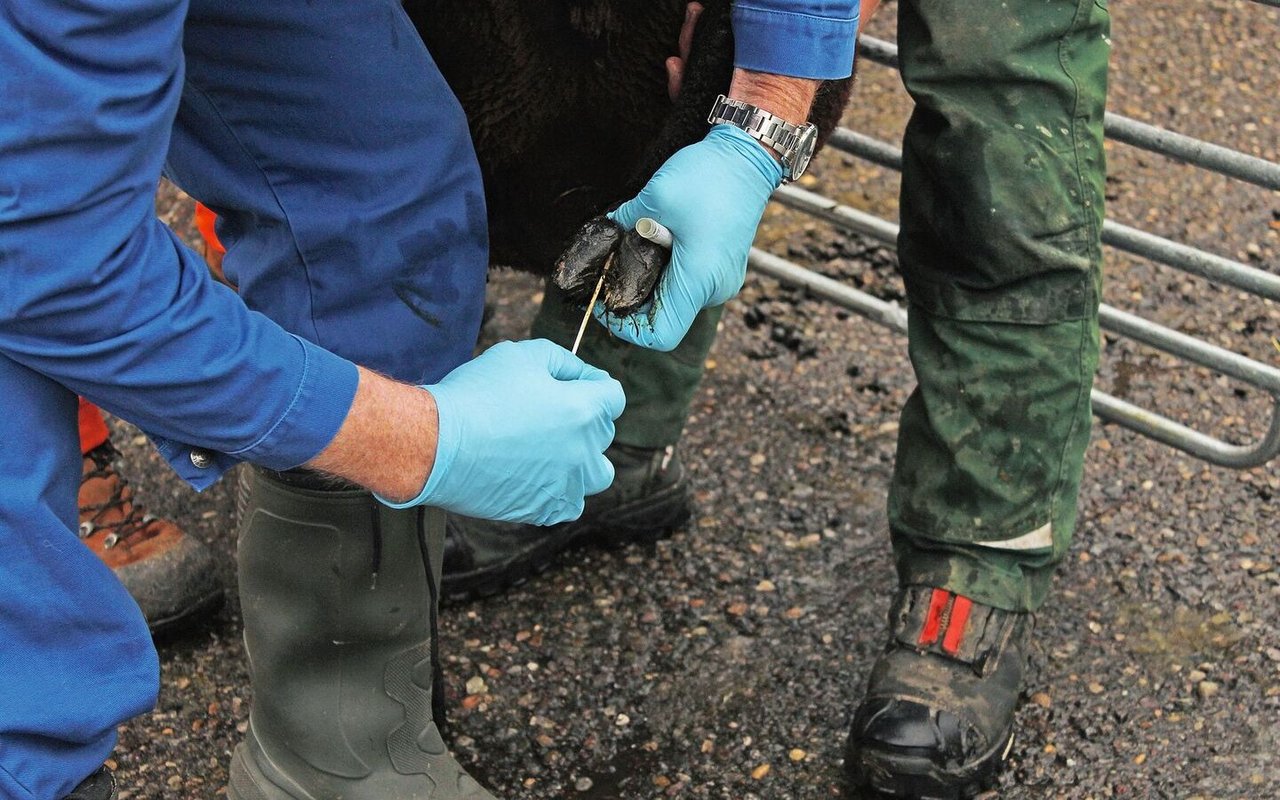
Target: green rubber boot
{"points": [[339, 596]]}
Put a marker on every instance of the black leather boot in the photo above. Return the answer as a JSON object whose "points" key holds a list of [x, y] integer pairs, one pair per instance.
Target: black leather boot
{"points": [[101, 785], [937, 718], [649, 498]]}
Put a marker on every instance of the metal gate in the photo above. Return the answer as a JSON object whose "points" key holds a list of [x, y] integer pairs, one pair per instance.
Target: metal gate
{"points": [[1224, 271]]}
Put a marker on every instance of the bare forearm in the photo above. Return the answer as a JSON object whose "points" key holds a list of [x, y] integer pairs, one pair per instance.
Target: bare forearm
{"points": [[780, 95], [784, 96], [388, 442]]}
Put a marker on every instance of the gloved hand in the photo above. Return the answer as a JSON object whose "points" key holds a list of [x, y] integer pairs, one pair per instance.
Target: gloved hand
{"points": [[711, 196], [523, 429]]}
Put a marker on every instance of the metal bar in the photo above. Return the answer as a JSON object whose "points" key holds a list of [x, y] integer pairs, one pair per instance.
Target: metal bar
{"points": [[1185, 148], [1131, 240], [881, 51], [868, 147], [1161, 428], [1189, 259], [1178, 146], [1158, 336], [838, 214], [1189, 440], [1112, 409], [1252, 372], [890, 315]]}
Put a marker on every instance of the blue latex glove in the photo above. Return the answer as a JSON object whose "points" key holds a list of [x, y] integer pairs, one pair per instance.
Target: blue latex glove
{"points": [[523, 429], [711, 196]]}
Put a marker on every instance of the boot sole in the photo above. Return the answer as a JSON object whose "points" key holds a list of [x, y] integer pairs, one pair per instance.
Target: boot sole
{"points": [[177, 621], [645, 521], [893, 774], [246, 781]]}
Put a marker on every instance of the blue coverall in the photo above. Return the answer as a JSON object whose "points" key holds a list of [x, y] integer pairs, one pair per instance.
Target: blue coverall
{"points": [[351, 204]]}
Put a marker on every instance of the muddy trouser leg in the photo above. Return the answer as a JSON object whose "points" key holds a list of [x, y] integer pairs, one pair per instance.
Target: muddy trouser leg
{"points": [[659, 386], [1002, 207]]}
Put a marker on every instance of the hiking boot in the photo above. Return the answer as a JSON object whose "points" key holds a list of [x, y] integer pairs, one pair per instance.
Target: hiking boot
{"points": [[170, 575], [937, 718], [649, 498], [101, 785]]}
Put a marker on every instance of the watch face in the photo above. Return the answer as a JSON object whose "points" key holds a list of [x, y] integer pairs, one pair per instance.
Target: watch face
{"points": [[803, 151]]}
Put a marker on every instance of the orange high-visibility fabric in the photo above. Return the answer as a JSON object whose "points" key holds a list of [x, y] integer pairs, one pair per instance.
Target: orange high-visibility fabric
{"points": [[93, 428], [204, 223]]}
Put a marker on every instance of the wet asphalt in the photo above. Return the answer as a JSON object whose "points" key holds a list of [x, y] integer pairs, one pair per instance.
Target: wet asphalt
{"points": [[725, 661]]}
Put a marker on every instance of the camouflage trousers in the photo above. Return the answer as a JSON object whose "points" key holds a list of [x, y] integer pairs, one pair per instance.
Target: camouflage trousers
{"points": [[1000, 248]]}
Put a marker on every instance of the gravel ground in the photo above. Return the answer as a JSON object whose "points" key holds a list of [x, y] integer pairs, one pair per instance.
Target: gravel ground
{"points": [[723, 663]]}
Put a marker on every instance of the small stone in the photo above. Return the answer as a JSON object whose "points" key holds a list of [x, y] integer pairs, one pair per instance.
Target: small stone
{"points": [[795, 612], [760, 771], [1195, 676], [1207, 689], [757, 460], [583, 784], [476, 685], [1041, 699], [796, 754], [1095, 688], [766, 585], [622, 721], [1140, 759]]}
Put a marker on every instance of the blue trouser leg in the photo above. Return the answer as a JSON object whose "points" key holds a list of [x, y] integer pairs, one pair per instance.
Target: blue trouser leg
{"points": [[75, 653], [342, 169]]}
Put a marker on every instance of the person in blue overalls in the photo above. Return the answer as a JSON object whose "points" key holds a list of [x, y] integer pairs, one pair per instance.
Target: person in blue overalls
{"points": [[352, 210]]}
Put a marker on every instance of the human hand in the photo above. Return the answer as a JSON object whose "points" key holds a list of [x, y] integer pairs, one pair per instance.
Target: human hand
{"points": [[522, 434], [675, 64], [711, 196]]}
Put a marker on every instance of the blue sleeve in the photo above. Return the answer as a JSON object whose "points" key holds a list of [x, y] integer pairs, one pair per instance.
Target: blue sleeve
{"points": [[94, 291], [800, 38]]}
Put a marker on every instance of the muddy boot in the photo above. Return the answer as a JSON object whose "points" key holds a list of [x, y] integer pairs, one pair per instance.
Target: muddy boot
{"points": [[338, 594], [649, 498], [101, 785], [171, 576], [937, 718]]}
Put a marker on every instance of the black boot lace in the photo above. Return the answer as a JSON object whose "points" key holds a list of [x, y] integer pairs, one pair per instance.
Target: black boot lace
{"points": [[135, 523]]}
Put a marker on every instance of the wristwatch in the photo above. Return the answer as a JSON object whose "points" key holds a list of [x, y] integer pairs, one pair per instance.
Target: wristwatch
{"points": [[794, 144]]}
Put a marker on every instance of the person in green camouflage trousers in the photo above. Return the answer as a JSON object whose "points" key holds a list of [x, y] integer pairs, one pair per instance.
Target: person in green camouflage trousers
{"points": [[1000, 249]]}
